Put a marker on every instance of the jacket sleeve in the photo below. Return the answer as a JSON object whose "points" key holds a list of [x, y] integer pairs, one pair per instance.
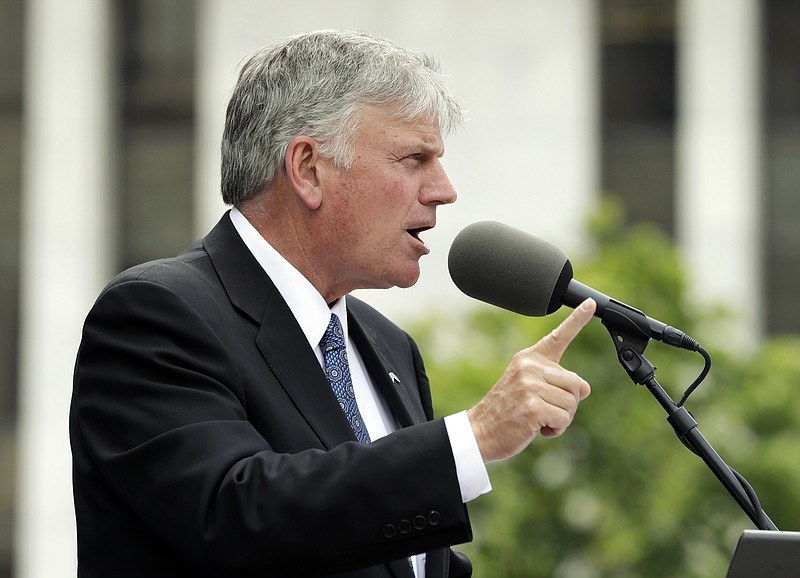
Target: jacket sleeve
{"points": [[160, 416]]}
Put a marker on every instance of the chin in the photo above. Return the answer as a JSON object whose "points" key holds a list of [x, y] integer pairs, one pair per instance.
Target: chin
{"points": [[407, 280], [402, 273]]}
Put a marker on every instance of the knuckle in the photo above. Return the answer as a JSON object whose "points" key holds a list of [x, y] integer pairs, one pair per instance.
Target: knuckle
{"points": [[563, 418], [532, 363]]}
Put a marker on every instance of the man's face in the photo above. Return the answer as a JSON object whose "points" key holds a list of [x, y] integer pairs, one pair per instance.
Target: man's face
{"points": [[377, 209]]}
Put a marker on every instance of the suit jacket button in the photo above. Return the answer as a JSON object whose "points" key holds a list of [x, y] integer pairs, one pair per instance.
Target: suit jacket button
{"points": [[420, 523], [434, 517], [404, 527], [389, 531]]}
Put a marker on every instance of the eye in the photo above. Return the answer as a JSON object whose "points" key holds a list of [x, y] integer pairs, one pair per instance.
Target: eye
{"points": [[416, 158]]}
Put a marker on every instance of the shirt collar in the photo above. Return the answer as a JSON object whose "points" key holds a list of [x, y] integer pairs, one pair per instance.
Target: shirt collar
{"points": [[303, 299]]}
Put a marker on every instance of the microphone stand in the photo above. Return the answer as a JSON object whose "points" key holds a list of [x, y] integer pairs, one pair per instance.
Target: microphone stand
{"points": [[630, 331]]}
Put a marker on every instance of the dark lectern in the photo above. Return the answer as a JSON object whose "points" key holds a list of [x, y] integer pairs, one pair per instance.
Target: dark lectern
{"points": [[766, 554]]}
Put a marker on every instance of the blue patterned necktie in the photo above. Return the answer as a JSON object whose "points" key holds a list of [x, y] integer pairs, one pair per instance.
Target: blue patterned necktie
{"points": [[338, 372]]}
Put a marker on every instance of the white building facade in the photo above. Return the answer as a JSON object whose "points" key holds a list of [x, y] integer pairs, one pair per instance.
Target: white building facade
{"points": [[528, 73]]}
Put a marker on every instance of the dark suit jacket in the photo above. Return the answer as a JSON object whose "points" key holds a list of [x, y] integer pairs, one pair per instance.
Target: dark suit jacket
{"points": [[206, 440]]}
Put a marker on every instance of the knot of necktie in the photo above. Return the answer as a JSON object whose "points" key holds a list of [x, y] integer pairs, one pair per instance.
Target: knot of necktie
{"points": [[334, 335]]}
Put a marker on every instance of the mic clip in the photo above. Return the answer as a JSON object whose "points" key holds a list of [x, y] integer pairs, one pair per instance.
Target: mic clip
{"points": [[630, 330]]}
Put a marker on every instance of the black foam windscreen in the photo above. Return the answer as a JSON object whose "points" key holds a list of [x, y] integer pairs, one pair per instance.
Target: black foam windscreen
{"points": [[509, 268]]}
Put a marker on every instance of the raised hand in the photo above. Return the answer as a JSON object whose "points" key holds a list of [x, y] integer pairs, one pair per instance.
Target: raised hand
{"points": [[535, 395]]}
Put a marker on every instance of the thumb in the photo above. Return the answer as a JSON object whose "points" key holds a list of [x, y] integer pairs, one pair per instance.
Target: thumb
{"points": [[554, 344]]}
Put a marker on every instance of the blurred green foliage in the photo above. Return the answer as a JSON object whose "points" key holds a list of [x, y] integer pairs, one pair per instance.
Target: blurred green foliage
{"points": [[618, 495]]}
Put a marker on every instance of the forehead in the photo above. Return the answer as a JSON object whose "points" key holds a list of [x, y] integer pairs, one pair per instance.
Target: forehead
{"points": [[382, 124]]}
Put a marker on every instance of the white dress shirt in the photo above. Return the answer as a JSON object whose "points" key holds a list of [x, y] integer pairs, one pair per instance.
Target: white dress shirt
{"points": [[313, 315]]}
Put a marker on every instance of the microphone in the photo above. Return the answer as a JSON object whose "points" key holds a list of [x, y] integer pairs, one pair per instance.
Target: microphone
{"points": [[514, 270]]}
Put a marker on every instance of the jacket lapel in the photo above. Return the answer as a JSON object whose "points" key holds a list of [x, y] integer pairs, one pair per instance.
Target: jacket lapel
{"points": [[396, 385], [280, 340], [286, 350]]}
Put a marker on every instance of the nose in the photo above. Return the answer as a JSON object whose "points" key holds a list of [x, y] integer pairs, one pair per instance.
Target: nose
{"points": [[437, 190]]}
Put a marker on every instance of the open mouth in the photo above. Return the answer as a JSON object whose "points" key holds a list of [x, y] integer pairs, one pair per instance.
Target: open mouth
{"points": [[416, 232]]}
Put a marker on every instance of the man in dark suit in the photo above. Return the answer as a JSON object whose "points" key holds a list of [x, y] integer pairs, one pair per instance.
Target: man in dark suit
{"points": [[235, 412]]}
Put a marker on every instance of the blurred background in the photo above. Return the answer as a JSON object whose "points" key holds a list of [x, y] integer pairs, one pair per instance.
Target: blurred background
{"points": [[684, 115]]}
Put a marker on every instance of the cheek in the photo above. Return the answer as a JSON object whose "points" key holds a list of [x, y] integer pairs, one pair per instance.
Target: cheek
{"points": [[369, 207], [379, 206]]}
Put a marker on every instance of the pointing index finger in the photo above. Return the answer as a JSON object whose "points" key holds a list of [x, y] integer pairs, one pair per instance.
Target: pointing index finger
{"points": [[556, 342]]}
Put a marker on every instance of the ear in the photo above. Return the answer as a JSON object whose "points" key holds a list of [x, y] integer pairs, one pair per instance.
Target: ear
{"points": [[302, 170]]}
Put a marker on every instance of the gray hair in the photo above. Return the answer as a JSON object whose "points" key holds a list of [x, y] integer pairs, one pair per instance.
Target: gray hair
{"points": [[316, 85]]}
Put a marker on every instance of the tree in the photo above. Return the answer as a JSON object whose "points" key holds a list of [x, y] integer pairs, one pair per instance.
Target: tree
{"points": [[618, 495]]}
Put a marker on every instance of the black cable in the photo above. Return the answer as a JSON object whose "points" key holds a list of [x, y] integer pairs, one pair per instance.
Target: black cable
{"points": [[700, 377], [763, 520]]}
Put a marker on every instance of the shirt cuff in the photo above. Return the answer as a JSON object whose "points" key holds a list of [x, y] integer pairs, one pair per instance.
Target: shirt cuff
{"points": [[470, 469]]}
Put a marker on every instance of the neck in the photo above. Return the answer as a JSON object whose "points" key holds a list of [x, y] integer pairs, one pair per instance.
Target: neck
{"points": [[292, 236]]}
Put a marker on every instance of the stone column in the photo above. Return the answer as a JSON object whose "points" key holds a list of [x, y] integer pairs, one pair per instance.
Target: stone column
{"points": [[67, 249], [719, 165]]}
